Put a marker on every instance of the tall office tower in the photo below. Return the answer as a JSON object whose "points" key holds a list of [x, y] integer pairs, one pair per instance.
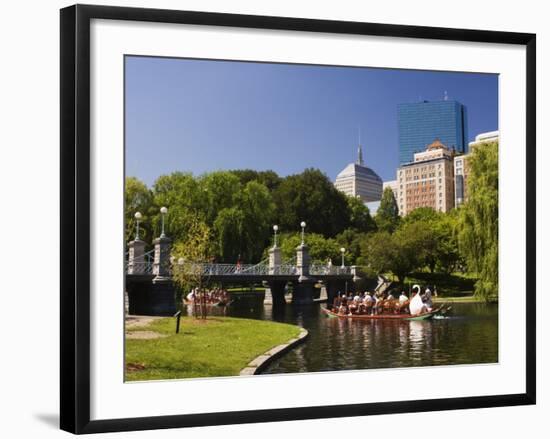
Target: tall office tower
{"points": [[422, 122]]}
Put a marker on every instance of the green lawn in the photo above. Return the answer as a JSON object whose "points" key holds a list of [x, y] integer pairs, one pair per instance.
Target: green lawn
{"points": [[460, 299], [217, 346]]}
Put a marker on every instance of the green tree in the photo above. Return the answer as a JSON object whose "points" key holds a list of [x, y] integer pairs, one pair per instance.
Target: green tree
{"points": [[387, 216], [320, 248], [269, 179], [401, 252], [228, 228], [447, 254], [258, 207], [137, 198], [352, 241], [422, 214], [311, 197], [219, 191], [182, 195], [360, 217], [478, 219], [244, 229], [189, 255], [441, 246]]}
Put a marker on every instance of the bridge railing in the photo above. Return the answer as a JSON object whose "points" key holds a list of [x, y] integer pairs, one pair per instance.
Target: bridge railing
{"points": [[145, 266], [283, 270], [141, 265], [325, 269]]}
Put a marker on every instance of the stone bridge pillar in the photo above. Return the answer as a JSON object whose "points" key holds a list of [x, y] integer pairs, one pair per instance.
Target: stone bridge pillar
{"points": [[163, 295], [302, 261], [136, 252], [161, 263], [276, 288], [275, 260], [303, 289]]}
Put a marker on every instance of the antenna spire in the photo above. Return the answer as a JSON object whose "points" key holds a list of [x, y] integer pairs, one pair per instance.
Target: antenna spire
{"points": [[359, 150]]}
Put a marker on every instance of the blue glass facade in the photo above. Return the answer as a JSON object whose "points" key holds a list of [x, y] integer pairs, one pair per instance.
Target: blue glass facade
{"points": [[420, 123]]}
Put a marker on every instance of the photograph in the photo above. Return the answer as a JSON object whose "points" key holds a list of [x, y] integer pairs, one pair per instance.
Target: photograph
{"points": [[293, 218]]}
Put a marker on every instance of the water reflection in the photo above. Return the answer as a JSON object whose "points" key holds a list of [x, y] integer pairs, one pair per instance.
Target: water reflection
{"points": [[469, 336]]}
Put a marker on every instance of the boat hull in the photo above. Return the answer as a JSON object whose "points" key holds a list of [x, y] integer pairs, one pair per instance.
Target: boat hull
{"points": [[424, 316]]}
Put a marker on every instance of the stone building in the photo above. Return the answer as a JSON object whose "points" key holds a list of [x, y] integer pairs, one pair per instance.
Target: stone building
{"points": [[427, 181], [358, 180]]}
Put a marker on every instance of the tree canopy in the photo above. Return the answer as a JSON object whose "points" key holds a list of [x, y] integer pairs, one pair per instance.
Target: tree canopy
{"points": [[401, 252], [478, 219], [138, 198], [387, 216], [311, 197], [360, 218], [321, 249]]}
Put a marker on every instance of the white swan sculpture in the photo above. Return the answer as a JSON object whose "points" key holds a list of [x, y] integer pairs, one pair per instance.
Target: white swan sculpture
{"points": [[416, 306]]}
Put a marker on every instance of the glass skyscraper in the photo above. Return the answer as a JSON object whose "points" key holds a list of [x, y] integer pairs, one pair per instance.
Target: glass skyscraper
{"points": [[420, 123]]}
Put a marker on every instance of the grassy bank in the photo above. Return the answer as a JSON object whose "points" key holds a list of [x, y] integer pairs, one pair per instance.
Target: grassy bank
{"points": [[217, 346], [455, 285], [459, 299]]}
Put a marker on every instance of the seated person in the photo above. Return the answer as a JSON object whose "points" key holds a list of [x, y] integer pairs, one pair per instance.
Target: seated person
{"points": [[428, 300], [378, 304], [368, 302]]}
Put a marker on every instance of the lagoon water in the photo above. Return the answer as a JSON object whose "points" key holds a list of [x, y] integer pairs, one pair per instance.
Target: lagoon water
{"points": [[468, 336]]}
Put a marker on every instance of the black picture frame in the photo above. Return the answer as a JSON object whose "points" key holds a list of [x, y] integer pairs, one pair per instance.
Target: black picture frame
{"points": [[75, 217]]}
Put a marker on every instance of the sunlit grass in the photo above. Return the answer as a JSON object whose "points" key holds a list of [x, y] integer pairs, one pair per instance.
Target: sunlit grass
{"points": [[217, 346]]}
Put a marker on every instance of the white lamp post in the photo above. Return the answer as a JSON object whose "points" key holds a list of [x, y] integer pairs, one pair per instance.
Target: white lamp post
{"points": [[303, 226], [138, 217], [275, 229], [163, 211], [343, 251]]}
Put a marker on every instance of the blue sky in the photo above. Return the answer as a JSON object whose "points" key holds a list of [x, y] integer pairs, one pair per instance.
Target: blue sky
{"points": [[200, 116]]}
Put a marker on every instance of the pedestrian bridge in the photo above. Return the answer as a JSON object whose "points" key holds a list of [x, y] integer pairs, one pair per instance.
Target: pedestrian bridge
{"points": [[149, 275]]}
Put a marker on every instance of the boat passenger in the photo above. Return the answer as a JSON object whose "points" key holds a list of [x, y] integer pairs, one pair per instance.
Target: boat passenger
{"points": [[403, 298], [428, 300], [378, 304]]}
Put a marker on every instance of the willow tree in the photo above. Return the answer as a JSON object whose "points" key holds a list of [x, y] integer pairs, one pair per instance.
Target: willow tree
{"points": [[189, 257], [478, 219]]}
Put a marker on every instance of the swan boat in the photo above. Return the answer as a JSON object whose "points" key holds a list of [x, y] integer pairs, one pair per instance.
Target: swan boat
{"points": [[424, 316]]}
